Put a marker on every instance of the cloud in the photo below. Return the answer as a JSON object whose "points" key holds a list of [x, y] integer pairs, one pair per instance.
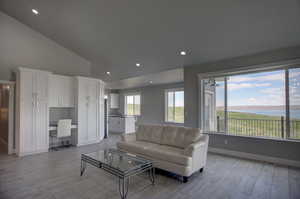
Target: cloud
{"points": [[273, 91], [262, 78], [293, 74], [279, 76], [234, 86], [252, 100], [270, 100], [267, 96]]}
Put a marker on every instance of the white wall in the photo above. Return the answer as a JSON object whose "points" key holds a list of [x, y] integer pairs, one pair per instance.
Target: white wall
{"points": [[22, 46]]}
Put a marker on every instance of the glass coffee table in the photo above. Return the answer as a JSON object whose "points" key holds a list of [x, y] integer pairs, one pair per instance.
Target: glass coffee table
{"points": [[121, 164]]}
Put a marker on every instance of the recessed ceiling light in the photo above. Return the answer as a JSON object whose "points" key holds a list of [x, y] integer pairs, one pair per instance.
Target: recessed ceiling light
{"points": [[108, 72], [182, 53], [138, 64], [35, 11]]}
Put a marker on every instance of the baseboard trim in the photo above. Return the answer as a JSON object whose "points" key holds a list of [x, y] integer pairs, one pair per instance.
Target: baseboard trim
{"points": [[257, 157], [32, 152], [88, 143]]}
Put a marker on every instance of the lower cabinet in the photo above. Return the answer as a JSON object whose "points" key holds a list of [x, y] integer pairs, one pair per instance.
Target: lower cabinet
{"points": [[121, 124]]}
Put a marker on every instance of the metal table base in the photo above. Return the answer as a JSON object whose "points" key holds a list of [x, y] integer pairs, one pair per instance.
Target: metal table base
{"points": [[123, 176]]}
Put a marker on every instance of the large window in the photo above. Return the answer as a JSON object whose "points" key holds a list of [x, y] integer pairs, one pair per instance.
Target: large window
{"points": [[133, 104], [174, 105], [257, 104]]}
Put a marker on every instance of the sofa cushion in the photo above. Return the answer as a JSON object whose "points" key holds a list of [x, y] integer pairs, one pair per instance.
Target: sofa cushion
{"points": [[136, 146], [179, 136], [156, 151], [169, 154], [149, 133]]}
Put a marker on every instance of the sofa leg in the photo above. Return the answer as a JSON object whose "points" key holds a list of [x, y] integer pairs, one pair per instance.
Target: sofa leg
{"points": [[185, 179], [201, 170]]}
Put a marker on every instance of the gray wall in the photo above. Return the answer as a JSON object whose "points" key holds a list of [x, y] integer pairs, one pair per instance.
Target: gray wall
{"points": [[281, 149], [152, 102], [56, 114], [22, 46]]}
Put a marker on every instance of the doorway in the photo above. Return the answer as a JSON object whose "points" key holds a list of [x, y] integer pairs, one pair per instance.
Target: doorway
{"points": [[7, 117]]}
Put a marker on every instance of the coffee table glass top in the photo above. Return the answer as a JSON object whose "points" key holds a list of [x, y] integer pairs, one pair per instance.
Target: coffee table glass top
{"points": [[115, 159]]}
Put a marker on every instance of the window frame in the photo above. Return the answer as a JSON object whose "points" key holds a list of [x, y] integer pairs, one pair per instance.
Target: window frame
{"points": [[286, 65], [167, 104], [125, 102]]}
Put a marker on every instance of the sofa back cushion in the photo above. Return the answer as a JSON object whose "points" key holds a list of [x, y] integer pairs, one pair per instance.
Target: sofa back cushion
{"points": [[149, 133], [179, 137]]}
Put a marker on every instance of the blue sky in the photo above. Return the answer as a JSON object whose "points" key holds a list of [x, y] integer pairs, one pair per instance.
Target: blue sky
{"points": [[266, 88], [179, 98]]}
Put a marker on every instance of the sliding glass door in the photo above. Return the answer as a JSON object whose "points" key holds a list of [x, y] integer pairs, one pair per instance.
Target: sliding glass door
{"points": [[294, 103]]}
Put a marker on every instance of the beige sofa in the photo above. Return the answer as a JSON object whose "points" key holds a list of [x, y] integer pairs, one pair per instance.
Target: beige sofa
{"points": [[179, 150]]}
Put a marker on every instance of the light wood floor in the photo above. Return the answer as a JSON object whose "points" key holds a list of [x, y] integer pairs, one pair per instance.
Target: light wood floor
{"points": [[55, 175]]}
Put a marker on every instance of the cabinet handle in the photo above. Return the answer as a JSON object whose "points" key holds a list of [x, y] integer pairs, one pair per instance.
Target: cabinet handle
{"points": [[36, 102], [33, 100]]}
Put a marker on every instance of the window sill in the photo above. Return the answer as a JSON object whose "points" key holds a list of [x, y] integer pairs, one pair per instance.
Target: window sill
{"points": [[252, 137]]}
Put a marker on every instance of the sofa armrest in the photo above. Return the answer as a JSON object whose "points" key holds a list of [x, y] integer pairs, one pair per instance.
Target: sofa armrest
{"points": [[129, 137], [192, 148], [198, 152], [201, 144]]}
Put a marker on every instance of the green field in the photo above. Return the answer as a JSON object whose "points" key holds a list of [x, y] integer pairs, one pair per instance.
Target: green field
{"points": [[133, 109], [250, 124], [179, 114], [245, 124]]}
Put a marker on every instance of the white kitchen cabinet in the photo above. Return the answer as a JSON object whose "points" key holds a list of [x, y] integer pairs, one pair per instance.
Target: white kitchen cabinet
{"points": [[90, 110], [61, 91], [114, 100], [32, 114]]}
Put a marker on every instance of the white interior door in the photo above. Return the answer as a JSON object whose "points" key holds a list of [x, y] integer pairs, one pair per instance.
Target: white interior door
{"points": [[209, 112]]}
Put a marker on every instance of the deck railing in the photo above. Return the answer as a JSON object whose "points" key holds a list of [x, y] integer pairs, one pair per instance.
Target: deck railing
{"points": [[260, 127]]}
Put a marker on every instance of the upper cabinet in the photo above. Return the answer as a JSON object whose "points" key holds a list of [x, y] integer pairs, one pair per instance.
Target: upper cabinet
{"points": [[61, 91], [114, 100]]}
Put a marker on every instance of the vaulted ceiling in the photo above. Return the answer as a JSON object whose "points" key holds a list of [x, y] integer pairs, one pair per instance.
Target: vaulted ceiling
{"points": [[116, 34]]}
